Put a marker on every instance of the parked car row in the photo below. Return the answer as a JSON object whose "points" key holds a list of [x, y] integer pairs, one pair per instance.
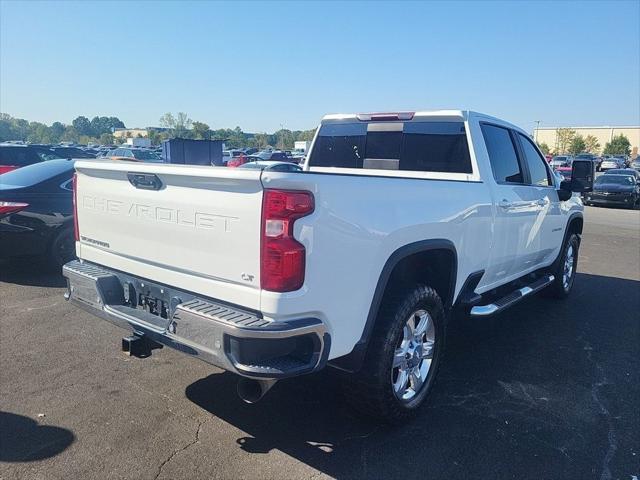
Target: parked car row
{"points": [[616, 187], [601, 163], [236, 158]]}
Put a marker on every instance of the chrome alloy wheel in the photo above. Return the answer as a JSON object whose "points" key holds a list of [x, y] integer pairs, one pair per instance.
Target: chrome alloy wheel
{"points": [[413, 356], [567, 272]]}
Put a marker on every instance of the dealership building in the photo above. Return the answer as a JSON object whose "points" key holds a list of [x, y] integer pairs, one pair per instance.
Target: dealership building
{"points": [[604, 135]]}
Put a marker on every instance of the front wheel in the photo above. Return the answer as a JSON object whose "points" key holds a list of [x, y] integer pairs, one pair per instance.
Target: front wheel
{"points": [[402, 357], [565, 271]]}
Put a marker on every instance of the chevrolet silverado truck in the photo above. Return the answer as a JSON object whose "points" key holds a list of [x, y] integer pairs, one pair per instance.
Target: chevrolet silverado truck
{"points": [[397, 221]]}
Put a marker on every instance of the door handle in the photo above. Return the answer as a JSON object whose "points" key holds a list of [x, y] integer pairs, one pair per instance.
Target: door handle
{"points": [[542, 202], [144, 181], [505, 204]]}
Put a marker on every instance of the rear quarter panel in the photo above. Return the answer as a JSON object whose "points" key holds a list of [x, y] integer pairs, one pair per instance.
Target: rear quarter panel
{"points": [[358, 222]]}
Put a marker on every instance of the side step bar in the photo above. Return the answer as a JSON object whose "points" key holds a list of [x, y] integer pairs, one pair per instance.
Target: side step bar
{"points": [[511, 299]]}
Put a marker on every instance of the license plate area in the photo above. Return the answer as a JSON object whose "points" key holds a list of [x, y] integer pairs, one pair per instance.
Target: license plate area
{"points": [[153, 305]]}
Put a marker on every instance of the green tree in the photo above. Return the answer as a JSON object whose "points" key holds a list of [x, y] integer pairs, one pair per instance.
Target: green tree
{"points": [[157, 136], [262, 140], [115, 122], [179, 125], [200, 131], [57, 130], [82, 126], [564, 139], [100, 125], [591, 144], [544, 148], [39, 133], [105, 139], [70, 134], [577, 145], [619, 145]]}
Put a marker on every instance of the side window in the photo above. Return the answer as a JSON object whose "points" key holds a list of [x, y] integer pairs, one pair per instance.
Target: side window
{"points": [[539, 173], [502, 154]]}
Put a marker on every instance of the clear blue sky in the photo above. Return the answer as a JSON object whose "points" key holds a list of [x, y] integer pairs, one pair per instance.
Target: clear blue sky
{"points": [[260, 65]]}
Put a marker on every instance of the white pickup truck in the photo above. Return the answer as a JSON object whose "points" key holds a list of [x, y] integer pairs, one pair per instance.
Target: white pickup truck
{"points": [[397, 221]]}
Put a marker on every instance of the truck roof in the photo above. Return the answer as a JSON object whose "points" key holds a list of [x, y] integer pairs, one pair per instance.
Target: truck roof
{"points": [[461, 115]]}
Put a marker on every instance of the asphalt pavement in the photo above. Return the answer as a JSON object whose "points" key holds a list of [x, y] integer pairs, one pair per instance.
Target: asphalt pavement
{"points": [[548, 390]]}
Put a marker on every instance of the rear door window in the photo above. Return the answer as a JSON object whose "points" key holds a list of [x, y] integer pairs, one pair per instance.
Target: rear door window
{"points": [[502, 154], [410, 146]]}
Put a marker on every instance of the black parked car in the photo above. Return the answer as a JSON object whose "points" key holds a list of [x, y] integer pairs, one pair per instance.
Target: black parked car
{"points": [[624, 171], [72, 152], [609, 189], [13, 156], [36, 211]]}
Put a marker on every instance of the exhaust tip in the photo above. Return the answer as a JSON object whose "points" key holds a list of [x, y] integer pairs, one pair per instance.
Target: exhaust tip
{"points": [[251, 391]]}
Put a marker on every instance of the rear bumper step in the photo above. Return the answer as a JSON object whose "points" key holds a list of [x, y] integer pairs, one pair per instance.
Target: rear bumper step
{"points": [[512, 298], [224, 336]]}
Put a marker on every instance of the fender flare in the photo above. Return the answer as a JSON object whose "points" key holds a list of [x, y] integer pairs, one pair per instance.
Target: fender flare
{"points": [[352, 361], [574, 216]]}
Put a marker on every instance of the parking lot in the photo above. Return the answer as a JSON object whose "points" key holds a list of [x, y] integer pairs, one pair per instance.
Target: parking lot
{"points": [[546, 390]]}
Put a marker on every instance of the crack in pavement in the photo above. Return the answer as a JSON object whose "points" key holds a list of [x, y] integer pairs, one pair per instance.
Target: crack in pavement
{"points": [[184, 448], [595, 395]]}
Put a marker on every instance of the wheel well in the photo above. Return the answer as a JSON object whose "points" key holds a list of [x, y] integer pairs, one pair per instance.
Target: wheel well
{"points": [[430, 262], [436, 268], [575, 225]]}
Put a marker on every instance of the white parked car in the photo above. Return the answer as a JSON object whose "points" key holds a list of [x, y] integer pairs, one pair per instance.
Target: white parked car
{"points": [[612, 162], [358, 262]]}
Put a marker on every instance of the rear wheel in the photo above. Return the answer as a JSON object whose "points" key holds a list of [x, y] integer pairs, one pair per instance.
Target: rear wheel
{"points": [[63, 248], [402, 357]]}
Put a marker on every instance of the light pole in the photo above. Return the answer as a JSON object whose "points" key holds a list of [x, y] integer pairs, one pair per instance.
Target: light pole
{"points": [[535, 133]]}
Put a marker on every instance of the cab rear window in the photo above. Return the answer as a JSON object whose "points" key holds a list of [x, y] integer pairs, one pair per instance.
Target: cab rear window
{"points": [[410, 146]]}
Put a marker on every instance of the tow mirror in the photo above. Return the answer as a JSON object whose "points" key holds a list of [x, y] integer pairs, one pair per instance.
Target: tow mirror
{"points": [[565, 192], [582, 175]]}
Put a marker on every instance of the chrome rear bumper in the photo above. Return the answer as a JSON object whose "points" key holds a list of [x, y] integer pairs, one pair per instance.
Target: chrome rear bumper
{"points": [[222, 335]]}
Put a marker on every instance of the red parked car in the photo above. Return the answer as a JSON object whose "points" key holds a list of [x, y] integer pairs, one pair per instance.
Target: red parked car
{"points": [[241, 159]]}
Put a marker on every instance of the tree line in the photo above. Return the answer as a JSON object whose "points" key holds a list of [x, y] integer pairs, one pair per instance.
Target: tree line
{"points": [[99, 130], [568, 141], [181, 126], [81, 130]]}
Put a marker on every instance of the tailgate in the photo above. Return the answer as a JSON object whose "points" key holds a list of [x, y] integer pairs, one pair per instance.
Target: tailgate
{"points": [[197, 228]]}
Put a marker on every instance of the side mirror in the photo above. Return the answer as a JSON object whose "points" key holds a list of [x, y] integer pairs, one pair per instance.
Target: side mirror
{"points": [[582, 175], [565, 192]]}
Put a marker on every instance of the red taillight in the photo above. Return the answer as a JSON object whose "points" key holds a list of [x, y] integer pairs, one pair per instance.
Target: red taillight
{"points": [[76, 230], [7, 168], [283, 257], [11, 207]]}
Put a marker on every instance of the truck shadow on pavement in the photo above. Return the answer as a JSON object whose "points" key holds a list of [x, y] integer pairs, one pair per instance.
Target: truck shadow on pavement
{"points": [[32, 272], [25, 440], [548, 389]]}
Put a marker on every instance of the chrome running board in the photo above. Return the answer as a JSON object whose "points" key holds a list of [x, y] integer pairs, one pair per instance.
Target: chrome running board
{"points": [[511, 299]]}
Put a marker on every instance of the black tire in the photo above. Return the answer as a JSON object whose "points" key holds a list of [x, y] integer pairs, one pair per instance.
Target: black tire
{"points": [[371, 390], [559, 288], [63, 248]]}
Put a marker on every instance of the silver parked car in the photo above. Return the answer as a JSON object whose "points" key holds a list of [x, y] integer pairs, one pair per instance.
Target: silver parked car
{"points": [[612, 162], [561, 161]]}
